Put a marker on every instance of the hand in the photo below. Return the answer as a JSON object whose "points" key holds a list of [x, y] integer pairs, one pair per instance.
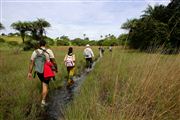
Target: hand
{"points": [[29, 76]]}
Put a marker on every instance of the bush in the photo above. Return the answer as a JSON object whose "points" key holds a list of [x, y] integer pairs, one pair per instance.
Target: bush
{"points": [[29, 44], [13, 43], [2, 40], [62, 43], [49, 41]]}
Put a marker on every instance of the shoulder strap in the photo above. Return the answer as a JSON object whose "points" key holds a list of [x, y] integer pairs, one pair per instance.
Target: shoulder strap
{"points": [[44, 50], [37, 52]]}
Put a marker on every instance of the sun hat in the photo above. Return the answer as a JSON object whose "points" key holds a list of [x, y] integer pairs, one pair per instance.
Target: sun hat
{"points": [[87, 45]]}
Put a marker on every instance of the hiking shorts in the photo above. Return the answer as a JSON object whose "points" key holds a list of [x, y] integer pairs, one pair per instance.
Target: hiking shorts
{"points": [[89, 62], [70, 72], [42, 79]]}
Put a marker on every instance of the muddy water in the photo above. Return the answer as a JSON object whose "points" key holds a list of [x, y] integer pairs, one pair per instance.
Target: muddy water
{"points": [[60, 98]]}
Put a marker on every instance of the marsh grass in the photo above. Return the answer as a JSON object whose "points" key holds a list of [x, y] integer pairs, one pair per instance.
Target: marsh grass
{"points": [[129, 85], [20, 97], [12, 38]]}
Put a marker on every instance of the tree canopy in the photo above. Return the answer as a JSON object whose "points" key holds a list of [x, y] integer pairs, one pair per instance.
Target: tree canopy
{"points": [[36, 28], [159, 26]]}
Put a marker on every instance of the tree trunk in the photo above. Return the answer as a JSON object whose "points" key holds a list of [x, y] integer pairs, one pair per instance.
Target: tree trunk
{"points": [[23, 35]]}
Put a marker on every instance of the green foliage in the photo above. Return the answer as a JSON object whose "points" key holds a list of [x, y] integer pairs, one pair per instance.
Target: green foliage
{"points": [[79, 42], [122, 39], [62, 43], [30, 44], [129, 24], [2, 40], [20, 97], [13, 43], [36, 28], [154, 34], [159, 26], [129, 85], [109, 40], [49, 41], [92, 43]]}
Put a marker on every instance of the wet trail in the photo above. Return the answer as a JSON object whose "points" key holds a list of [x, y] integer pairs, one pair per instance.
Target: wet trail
{"points": [[59, 98]]}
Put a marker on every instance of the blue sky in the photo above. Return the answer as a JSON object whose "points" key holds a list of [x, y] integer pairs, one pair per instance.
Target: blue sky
{"points": [[75, 17]]}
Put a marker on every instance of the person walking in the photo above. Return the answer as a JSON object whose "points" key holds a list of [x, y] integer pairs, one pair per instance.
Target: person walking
{"points": [[101, 51], [88, 54], [110, 48], [69, 61], [45, 65]]}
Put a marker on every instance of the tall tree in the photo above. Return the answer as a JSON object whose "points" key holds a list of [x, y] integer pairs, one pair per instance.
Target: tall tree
{"points": [[131, 23], [21, 27], [37, 28], [41, 25], [158, 26]]}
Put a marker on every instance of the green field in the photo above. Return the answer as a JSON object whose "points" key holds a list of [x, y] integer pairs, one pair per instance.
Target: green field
{"points": [[125, 85], [128, 85], [20, 97], [12, 38]]}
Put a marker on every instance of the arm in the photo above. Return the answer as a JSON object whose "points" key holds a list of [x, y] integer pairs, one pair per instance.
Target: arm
{"points": [[65, 58], [31, 65], [74, 59], [52, 59], [84, 52], [92, 53], [54, 63]]}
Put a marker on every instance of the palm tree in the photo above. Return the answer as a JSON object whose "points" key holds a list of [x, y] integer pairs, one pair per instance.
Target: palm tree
{"points": [[37, 28], [41, 24], [1, 26], [33, 28], [148, 12], [21, 27], [157, 12], [129, 24]]}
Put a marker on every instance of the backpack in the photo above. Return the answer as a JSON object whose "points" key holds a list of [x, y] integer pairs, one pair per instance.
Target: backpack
{"points": [[87, 53], [69, 61], [39, 61]]}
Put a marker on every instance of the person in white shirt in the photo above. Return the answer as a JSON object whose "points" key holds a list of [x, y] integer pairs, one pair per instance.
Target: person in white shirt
{"points": [[88, 54], [49, 57]]}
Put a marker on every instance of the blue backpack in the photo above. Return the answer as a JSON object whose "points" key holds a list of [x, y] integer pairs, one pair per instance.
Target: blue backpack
{"points": [[39, 61]]}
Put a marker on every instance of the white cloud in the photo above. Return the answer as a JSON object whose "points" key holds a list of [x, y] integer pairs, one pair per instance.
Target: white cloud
{"points": [[75, 18], [74, 31], [156, 2]]}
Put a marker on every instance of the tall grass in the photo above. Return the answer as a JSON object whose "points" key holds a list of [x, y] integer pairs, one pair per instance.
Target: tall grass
{"points": [[127, 85], [12, 38], [20, 97]]}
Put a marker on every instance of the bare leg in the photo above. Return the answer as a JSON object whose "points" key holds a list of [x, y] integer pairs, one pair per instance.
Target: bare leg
{"points": [[44, 90]]}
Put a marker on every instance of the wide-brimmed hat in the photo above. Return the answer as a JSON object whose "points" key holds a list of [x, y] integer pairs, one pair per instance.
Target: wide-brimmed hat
{"points": [[87, 45]]}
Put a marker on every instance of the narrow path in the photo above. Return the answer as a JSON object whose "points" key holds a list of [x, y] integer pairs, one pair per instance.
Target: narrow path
{"points": [[61, 97]]}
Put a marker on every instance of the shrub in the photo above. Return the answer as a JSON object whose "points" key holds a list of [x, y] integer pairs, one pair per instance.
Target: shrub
{"points": [[2, 40], [13, 43], [29, 44], [50, 41], [62, 43]]}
